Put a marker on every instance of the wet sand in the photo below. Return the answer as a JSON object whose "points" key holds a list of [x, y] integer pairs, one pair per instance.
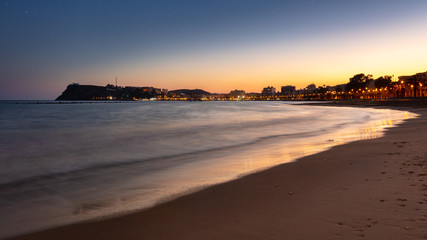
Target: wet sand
{"points": [[373, 189]]}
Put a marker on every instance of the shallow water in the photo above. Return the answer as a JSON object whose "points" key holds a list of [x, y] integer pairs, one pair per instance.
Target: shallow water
{"points": [[61, 163]]}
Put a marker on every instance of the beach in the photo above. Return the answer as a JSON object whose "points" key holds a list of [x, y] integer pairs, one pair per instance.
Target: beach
{"points": [[371, 189]]}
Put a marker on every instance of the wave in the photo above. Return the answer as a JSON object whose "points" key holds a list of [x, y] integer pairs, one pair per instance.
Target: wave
{"points": [[162, 162]]}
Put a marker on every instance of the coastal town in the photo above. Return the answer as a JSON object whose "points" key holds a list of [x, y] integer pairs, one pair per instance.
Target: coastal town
{"points": [[360, 86]]}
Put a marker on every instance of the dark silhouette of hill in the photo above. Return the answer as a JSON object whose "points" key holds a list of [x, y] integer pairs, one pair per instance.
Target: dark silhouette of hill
{"points": [[91, 92], [83, 92], [189, 92]]}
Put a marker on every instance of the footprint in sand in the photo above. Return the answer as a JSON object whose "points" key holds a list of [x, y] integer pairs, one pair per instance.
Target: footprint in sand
{"points": [[402, 199]]}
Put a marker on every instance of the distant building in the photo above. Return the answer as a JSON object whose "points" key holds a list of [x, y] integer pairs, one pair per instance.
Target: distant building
{"points": [[288, 90], [219, 96], [311, 88], [419, 76], [111, 87], [414, 85], [340, 87], [252, 96], [239, 94], [269, 91], [331, 88], [370, 84]]}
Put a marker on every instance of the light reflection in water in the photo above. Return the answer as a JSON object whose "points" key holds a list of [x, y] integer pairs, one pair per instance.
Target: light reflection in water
{"points": [[221, 167]]}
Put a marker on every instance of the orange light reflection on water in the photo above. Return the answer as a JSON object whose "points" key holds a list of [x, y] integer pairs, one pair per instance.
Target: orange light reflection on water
{"points": [[228, 164]]}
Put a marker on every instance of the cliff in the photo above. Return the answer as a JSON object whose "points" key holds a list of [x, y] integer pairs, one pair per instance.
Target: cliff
{"points": [[109, 92]]}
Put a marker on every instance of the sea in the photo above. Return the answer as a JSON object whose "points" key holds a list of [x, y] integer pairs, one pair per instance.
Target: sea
{"points": [[67, 162]]}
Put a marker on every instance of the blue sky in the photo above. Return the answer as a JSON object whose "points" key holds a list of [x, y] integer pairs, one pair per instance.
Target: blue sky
{"points": [[216, 45]]}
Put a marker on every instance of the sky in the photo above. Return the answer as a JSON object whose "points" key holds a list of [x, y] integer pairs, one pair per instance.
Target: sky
{"points": [[215, 45]]}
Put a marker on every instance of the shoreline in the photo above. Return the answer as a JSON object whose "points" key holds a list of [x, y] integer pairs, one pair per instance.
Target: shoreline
{"points": [[332, 194]]}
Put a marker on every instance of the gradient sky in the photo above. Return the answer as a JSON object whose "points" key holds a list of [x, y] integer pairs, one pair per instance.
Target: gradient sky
{"points": [[216, 45]]}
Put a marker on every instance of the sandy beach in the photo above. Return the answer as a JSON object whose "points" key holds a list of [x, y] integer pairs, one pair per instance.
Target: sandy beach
{"points": [[372, 189]]}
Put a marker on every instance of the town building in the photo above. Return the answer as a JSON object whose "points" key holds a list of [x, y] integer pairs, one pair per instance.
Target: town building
{"points": [[311, 88], [288, 90], [237, 94], [269, 91]]}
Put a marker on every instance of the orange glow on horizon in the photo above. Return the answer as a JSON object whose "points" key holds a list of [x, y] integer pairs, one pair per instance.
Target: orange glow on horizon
{"points": [[325, 60]]}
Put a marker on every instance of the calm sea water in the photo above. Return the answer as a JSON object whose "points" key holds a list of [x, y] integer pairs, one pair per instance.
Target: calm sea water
{"points": [[62, 163]]}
